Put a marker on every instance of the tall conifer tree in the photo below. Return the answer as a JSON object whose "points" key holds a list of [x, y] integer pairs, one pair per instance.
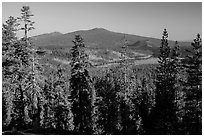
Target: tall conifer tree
{"points": [[165, 111], [32, 84], [193, 100], [81, 95], [9, 67]]}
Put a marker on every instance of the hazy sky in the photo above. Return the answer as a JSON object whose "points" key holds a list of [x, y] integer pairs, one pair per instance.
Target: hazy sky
{"points": [[182, 20]]}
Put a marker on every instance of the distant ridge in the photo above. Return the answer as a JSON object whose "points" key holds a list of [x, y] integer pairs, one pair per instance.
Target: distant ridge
{"points": [[47, 35], [100, 38]]}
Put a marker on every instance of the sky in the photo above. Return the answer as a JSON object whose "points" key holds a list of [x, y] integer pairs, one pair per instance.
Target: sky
{"points": [[182, 20]]}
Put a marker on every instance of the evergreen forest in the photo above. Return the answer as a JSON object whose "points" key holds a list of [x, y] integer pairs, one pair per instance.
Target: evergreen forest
{"points": [[127, 99]]}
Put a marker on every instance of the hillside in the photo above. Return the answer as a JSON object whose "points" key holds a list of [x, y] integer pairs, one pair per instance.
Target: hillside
{"points": [[96, 38]]}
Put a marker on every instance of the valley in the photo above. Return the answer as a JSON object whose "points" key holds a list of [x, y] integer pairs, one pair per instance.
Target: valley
{"points": [[104, 47]]}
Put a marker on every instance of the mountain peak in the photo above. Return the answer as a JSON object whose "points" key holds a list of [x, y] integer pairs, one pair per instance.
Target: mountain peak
{"points": [[100, 38], [55, 33], [100, 29]]}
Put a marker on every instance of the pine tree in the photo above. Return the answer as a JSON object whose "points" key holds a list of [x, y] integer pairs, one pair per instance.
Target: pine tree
{"points": [[144, 105], [8, 38], [9, 64], [177, 75], [57, 106], [34, 77], [193, 100], [165, 110], [128, 104], [175, 60], [15, 72], [81, 92], [23, 56], [107, 90], [49, 96], [62, 108], [123, 99]]}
